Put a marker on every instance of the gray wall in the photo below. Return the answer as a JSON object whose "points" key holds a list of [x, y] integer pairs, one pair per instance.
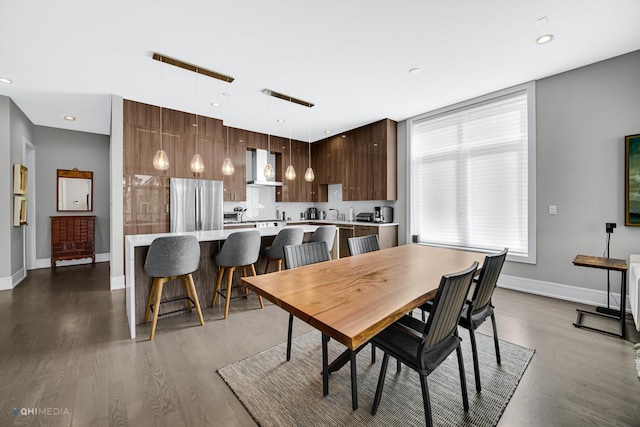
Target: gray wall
{"points": [[20, 127], [65, 149], [582, 118], [6, 182]]}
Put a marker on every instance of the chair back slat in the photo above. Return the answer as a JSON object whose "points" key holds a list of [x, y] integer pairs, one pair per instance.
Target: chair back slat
{"points": [[488, 280], [447, 305], [305, 254], [362, 245]]}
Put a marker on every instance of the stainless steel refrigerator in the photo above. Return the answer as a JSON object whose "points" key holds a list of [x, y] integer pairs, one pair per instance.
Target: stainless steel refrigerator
{"points": [[196, 204]]}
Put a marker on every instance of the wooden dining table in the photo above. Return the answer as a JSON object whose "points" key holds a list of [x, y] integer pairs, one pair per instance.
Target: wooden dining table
{"points": [[352, 299]]}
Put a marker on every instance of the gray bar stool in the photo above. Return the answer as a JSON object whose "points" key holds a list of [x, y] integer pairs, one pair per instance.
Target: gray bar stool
{"points": [[172, 257], [324, 233], [286, 237], [240, 250]]}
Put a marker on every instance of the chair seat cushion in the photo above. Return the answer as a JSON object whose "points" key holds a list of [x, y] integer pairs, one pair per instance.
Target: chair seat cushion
{"points": [[477, 318], [403, 338]]}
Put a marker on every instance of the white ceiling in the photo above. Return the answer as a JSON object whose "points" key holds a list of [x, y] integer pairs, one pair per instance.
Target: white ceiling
{"points": [[349, 58]]}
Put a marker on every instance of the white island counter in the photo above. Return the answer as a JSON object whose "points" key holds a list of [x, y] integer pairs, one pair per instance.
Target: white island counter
{"points": [[134, 262]]}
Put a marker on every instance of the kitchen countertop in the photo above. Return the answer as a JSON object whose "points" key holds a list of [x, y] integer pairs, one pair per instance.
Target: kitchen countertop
{"points": [[337, 222]]}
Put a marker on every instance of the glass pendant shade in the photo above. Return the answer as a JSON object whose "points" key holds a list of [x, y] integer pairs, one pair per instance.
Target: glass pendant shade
{"points": [[268, 171], [227, 166], [309, 175], [161, 160], [197, 165], [290, 174]]}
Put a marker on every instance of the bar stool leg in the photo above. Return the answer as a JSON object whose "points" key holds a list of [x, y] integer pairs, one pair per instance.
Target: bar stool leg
{"points": [[187, 291], [218, 283], [266, 269], [189, 281], [253, 273], [229, 282], [149, 302], [159, 284], [280, 264]]}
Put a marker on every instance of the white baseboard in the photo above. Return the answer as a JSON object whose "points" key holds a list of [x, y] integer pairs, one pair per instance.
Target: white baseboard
{"points": [[6, 283], [117, 282], [556, 290], [46, 262]]}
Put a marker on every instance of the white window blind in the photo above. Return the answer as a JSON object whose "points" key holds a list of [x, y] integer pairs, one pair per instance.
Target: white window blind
{"points": [[469, 176]]}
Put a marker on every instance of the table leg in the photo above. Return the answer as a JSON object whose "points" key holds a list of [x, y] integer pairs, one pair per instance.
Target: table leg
{"points": [[354, 380], [623, 303], [325, 364]]}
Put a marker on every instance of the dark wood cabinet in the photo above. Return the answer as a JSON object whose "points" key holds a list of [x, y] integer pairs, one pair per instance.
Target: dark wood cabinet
{"points": [[72, 237]]}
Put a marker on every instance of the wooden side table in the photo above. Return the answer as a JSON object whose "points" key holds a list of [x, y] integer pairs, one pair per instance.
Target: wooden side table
{"points": [[610, 264]]}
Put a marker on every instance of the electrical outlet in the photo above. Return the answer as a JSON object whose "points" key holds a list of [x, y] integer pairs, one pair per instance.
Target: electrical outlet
{"points": [[553, 210]]}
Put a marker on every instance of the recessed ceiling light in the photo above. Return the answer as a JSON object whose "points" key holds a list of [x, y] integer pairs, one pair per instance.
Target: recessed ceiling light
{"points": [[5, 80], [70, 118], [215, 104], [226, 93], [544, 39], [280, 120], [327, 132], [414, 71]]}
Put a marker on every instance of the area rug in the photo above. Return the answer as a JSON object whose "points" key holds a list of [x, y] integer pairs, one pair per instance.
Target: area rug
{"points": [[280, 393]]}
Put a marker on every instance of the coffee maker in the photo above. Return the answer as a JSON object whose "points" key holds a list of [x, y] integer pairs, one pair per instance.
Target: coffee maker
{"points": [[312, 213], [383, 214]]}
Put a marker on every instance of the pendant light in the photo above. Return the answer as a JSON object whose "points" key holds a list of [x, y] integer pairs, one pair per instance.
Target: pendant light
{"points": [[227, 164], [161, 160], [309, 176], [268, 168], [290, 174], [197, 165]]}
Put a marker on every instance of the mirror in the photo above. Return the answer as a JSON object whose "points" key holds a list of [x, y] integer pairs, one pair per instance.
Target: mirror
{"points": [[75, 190]]}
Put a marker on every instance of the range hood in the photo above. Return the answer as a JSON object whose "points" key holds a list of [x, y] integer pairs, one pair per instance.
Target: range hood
{"points": [[256, 161]]}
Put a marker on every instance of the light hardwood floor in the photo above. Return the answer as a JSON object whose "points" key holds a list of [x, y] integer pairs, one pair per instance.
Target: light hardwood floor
{"points": [[65, 349]]}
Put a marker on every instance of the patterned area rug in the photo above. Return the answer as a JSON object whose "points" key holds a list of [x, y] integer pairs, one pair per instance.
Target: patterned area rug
{"points": [[277, 393]]}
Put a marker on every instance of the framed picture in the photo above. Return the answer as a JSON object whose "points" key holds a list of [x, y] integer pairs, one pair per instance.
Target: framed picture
{"points": [[19, 211], [632, 180], [19, 179]]}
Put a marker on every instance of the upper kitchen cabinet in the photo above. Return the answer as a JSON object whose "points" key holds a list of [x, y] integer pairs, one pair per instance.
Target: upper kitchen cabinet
{"points": [[234, 186]]}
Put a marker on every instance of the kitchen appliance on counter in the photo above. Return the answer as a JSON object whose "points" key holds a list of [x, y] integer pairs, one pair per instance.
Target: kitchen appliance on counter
{"points": [[322, 215], [312, 213], [196, 205], [383, 214], [364, 217]]}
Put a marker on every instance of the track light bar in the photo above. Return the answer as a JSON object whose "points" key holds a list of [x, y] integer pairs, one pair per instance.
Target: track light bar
{"points": [[287, 97], [190, 67]]}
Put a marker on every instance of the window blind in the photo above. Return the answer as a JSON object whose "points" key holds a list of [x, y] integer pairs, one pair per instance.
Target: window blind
{"points": [[469, 176]]}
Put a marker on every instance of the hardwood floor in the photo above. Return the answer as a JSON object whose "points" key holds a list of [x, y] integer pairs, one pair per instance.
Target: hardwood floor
{"points": [[66, 355]]}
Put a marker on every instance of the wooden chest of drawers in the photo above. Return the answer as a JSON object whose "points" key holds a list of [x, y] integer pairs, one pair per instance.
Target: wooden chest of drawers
{"points": [[72, 237]]}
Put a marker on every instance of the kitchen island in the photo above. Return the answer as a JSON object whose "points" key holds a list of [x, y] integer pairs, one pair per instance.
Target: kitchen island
{"points": [[138, 285]]}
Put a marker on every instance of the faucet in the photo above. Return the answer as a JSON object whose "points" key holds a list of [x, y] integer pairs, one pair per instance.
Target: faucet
{"points": [[337, 213]]}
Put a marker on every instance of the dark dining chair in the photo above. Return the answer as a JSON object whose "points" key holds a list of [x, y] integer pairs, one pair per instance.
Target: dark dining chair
{"points": [[480, 307], [424, 346], [363, 244], [300, 255]]}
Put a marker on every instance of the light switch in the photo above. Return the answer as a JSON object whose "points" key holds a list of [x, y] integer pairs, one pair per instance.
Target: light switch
{"points": [[553, 209]]}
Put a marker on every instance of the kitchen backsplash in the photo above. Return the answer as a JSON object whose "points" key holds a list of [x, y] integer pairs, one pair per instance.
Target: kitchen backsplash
{"points": [[261, 204]]}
